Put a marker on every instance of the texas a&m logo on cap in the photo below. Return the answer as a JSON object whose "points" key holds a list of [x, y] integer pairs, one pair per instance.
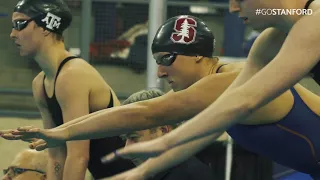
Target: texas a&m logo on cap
{"points": [[185, 32], [52, 21]]}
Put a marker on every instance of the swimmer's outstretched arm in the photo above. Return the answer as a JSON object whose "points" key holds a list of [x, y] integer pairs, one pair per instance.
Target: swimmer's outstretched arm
{"points": [[168, 159], [170, 108], [74, 121], [298, 55]]}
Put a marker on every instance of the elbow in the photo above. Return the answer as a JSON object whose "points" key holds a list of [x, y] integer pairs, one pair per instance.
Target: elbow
{"points": [[249, 103], [156, 115], [248, 107], [242, 101], [79, 156], [57, 153], [166, 144], [146, 113]]}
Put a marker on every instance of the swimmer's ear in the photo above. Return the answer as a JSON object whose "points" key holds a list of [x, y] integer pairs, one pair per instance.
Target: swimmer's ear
{"points": [[198, 58], [46, 32]]}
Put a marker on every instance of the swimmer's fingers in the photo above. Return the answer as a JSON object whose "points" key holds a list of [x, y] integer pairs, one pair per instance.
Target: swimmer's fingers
{"points": [[39, 145], [9, 134]]}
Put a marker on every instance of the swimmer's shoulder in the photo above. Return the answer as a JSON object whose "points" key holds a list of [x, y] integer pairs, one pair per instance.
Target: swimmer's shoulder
{"points": [[38, 80], [315, 6], [37, 88], [228, 67], [78, 67]]}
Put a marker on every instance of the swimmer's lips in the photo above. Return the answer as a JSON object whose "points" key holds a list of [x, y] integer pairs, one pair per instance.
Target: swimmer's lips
{"points": [[18, 45]]}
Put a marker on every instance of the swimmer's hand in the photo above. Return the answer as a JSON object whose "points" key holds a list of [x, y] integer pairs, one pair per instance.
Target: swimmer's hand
{"points": [[7, 134], [143, 150], [39, 139]]}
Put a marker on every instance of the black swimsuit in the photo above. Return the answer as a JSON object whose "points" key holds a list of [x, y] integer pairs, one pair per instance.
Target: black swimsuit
{"points": [[98, 147]]}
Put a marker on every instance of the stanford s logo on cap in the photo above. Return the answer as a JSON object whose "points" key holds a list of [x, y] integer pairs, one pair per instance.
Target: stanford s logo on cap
{"points": [[54, 22], [185, 32]]}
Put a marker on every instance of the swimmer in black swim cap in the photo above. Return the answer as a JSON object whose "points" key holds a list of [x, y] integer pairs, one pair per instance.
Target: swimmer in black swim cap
{"points": [[33, 21], [37, 30]]}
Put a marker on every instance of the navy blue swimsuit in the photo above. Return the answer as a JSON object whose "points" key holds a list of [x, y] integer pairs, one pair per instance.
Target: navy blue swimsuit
{"points": [[293, 141]]}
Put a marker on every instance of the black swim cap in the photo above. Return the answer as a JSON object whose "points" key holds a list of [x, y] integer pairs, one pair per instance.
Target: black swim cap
{"points": [[186, 35], [52, 15]]}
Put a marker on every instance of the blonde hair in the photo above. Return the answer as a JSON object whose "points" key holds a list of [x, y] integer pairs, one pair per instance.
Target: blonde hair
{"points": [[143, 95], [146, 95]]}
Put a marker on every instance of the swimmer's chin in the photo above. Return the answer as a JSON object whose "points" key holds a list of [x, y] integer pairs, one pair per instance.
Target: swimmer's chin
{"points": [[23, 54], [27, 55]]}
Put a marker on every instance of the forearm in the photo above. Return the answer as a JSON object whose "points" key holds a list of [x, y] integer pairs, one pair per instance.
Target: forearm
{"points": [[114, 121], [75, 168], [56, 163], [54, 170], [168, 109], [82, 118], [175, 156]]}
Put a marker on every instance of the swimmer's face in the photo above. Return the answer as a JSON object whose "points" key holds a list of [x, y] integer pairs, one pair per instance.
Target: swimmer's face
{"points": [[22, 168], [144, 135], [246, 10], [26, 34], [181, 73]]}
